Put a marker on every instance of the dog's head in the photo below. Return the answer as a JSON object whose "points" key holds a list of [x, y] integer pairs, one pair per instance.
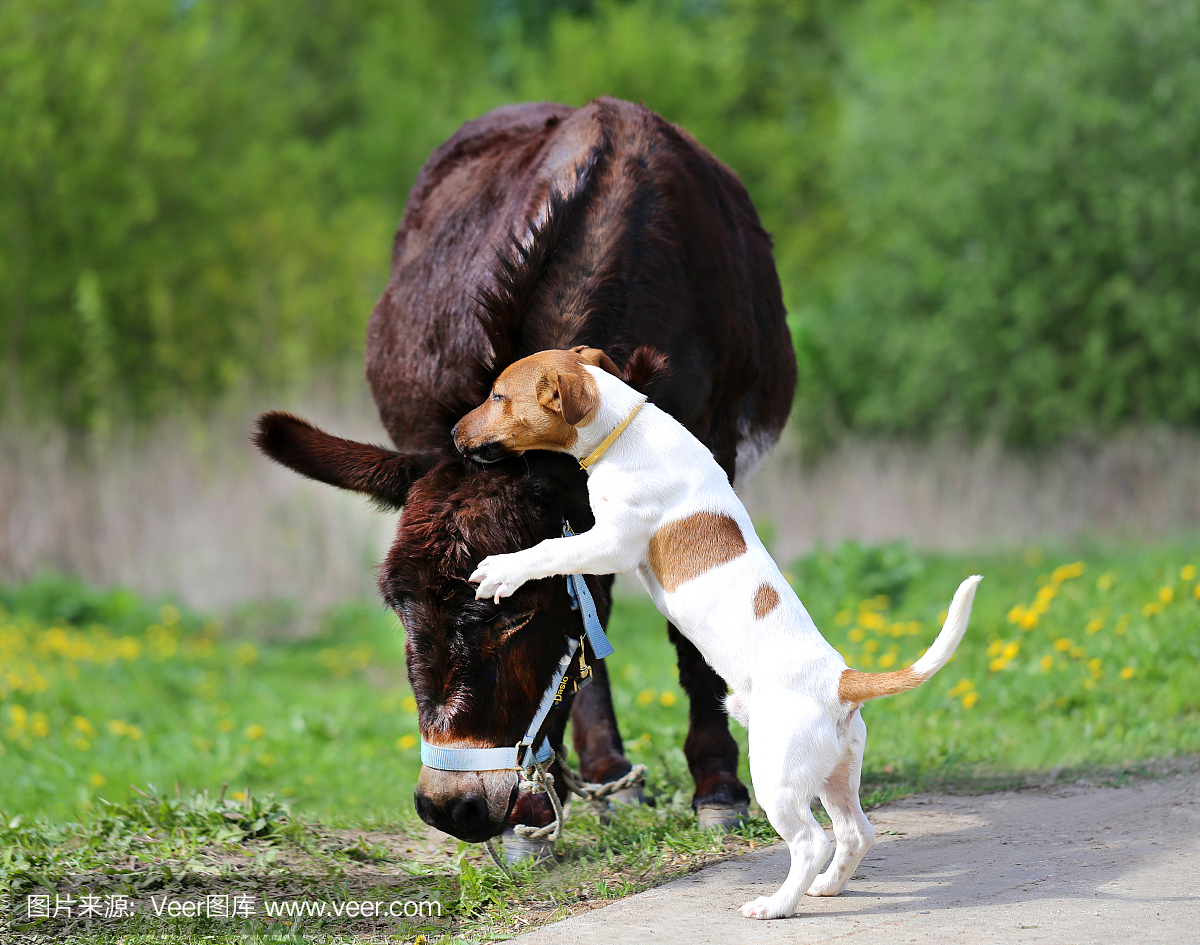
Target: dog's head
{"points": [[535, 404]]}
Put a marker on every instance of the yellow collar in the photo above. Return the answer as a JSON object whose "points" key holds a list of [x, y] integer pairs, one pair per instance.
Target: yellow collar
{"points": [[610, 439]]}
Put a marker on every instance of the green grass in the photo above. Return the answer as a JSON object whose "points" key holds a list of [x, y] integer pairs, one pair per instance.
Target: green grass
{"points": [[316, 739]]}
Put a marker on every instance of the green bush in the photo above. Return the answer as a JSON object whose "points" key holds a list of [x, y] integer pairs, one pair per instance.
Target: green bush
{"points": [[1021, 183]]}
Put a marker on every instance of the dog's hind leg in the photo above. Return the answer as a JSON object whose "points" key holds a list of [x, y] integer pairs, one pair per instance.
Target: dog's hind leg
{"points": [[792, 748], [854, 833]]}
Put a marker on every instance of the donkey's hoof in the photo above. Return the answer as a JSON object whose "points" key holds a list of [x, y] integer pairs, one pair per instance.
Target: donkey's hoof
{"points": [[723, 819], [627, 797], [518, 849]]}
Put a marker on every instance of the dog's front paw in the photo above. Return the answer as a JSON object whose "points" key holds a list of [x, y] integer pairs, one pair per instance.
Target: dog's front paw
{"points": [[497, 576], [765, 907]]}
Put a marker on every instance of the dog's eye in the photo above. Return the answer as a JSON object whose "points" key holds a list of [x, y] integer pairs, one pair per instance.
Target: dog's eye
{"points": [[496, 397]]}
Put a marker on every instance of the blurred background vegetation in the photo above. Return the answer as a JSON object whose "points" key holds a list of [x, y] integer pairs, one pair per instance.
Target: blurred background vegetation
{"points": [[986, 213]]}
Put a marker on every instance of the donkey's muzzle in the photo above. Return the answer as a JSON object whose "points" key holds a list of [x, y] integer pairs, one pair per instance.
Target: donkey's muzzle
{"points": [[471, 805]]}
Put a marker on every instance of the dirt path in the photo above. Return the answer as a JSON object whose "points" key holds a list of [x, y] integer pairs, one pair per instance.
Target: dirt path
{"points": [[1067, 866]]}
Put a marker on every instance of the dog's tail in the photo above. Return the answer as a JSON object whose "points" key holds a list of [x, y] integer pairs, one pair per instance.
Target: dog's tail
{"points": [[858, 687]]}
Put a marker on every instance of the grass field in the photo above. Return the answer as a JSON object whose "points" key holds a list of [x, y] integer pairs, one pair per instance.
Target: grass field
{"points": [[1072, 661]]}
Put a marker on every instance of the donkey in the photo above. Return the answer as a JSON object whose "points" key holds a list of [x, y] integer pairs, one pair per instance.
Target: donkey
{"points": [[540, 226]]}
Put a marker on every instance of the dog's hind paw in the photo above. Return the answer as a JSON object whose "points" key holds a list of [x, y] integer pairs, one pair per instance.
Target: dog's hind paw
{"points": [[765, 907], [826, 885]]}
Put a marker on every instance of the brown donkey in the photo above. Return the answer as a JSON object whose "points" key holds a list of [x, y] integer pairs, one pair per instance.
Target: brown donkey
{"points": [[536, 227]]}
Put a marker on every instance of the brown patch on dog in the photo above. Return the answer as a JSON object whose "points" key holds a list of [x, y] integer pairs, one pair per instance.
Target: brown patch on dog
{"points": [[858, 687], [685, 549], [766, 599], [535, 403]]}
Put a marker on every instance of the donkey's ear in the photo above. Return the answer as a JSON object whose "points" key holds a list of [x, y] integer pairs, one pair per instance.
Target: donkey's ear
{"points": [[385, 475]]}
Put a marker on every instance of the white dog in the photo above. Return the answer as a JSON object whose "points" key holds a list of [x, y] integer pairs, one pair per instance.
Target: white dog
{"points": [[664, 508]]}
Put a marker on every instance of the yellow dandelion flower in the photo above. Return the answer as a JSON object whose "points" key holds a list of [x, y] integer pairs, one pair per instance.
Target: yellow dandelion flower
{"points": [[39, 725], [970, 699], [960, 688], [1015, 615], [997, 664], [1166, 594], [405, 742], [942, 615], [1067, 572], [871, 620], [1029, 621], [994, 648], [18, 715], [246, 653], [116, 726], [1062, 644], [98, 780], [1094, 664], [645, 697], [1095, 625], [1011, 649], [856, 635], [1187, 572], [1046, 662], [1127, 672], [169, 614], [871, 646], [843, 617], [238, 796], [667, 699], [1077, 652], [1089, 683], [1196, 592], [1105, 581], [887, 660], [408, 704], [1151, 609], [1122, 623], [255, 732], [133, 732], [129, 648], [1047, 593], [225, 725], [83, 725]]}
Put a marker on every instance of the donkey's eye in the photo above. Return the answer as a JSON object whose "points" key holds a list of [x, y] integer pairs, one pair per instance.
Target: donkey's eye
{"points": [[507, 627]]}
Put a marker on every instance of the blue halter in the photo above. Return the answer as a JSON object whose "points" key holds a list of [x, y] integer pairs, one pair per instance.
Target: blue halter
{"points": [[523, 755]]}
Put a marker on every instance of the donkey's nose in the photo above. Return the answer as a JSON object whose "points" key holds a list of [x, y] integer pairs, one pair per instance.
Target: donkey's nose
{"points": [[463, 816]]}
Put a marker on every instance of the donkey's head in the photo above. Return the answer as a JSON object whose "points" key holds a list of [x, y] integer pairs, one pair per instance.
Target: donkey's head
{"points": [[478, 670]]}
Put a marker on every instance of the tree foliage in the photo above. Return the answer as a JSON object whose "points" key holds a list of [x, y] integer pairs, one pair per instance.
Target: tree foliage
{"points": [[984, 211], [1022, 188]]}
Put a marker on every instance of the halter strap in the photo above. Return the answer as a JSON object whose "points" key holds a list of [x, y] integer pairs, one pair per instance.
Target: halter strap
{"points": [[523, 756]]}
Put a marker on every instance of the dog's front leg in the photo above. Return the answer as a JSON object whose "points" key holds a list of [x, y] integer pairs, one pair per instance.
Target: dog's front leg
{"points": [[602, 550]]}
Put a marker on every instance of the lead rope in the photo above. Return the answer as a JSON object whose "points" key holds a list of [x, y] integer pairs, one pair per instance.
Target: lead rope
{"points": [[541, 781]]}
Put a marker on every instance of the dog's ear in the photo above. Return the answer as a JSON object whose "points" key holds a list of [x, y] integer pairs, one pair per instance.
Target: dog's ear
{"points": [[596, 358], [572, 395]]}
